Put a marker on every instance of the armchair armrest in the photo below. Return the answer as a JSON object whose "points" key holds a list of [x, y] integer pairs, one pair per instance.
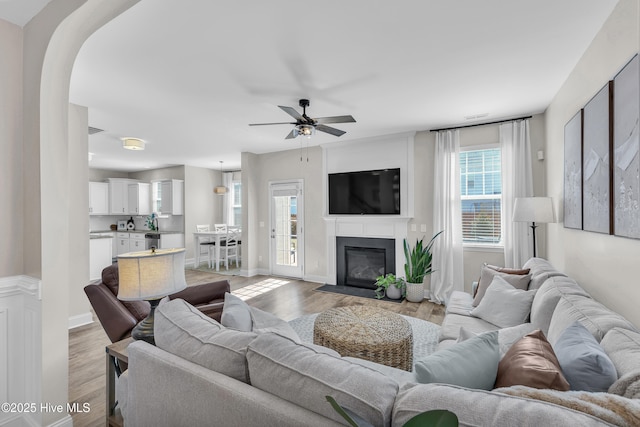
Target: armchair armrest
{"points": [[203, 294], [116, 320], [213, 310]]}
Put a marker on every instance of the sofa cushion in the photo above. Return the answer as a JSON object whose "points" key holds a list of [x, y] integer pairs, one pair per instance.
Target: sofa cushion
{"points": [[584, 363], [547, 297], [183, 330], [540, 270], [472, 363], [453, 322], [506, 336], [597, 318], [305, 375], [487, 275], [503, 305], [236, 314], [532, 363], [484, 408], [623, 347], [460, 303]]}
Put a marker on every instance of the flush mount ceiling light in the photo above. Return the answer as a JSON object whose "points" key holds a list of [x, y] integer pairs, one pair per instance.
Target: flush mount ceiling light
{"points": [[133, 144]]}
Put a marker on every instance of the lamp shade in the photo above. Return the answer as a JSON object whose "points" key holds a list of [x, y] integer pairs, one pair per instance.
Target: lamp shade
{"points": [[533, 209], [149, 275]]}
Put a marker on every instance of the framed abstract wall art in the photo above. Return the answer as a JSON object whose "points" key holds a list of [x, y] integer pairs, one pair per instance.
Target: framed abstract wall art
{"points": [[596, 165], [626, 145], [573, 172]]}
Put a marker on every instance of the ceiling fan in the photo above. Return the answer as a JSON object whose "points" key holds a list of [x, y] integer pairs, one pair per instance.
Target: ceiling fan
{"points": [[305, 125]]}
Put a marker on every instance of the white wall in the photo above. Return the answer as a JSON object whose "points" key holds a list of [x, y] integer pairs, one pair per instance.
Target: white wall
{"points": [[79, 306], [279, 166], [604, 265], [11, 186]]}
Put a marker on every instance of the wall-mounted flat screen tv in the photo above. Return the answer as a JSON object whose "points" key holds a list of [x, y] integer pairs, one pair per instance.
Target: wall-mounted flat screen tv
{"points": [[375, 192]]}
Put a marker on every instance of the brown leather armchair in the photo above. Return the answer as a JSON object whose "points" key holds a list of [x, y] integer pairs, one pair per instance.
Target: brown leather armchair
{"points": [[119, 317]]}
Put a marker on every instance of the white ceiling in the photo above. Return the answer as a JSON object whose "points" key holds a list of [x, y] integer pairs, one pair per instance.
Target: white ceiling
{"points": [[21, 11], [188, 77]]}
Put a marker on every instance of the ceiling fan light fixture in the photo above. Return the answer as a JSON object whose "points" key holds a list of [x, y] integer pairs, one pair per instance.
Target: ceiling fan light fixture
{"points": [[305, 130], [135, 144]]}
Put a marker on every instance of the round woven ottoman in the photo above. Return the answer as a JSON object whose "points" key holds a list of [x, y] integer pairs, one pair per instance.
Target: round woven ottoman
{"points": [[367, 333]]}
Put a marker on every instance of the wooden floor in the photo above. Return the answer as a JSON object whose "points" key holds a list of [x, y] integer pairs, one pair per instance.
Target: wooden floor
{"points": [[287, 298]]}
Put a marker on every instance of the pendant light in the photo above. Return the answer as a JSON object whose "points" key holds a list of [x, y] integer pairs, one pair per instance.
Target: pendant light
{"points": [[220, 189]]}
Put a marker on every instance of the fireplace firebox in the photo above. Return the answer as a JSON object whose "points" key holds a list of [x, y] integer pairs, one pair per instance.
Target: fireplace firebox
{"points": [[359, 260]]}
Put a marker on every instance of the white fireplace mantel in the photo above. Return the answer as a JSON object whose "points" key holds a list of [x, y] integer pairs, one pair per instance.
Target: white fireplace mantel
{"points": [[386, 227]]}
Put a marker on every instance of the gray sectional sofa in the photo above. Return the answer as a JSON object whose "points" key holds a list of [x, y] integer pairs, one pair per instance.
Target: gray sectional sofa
{"points": [[201, 373]]}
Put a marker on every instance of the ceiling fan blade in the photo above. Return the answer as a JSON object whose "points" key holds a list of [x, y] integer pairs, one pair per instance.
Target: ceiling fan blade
{"points": [[332, 131], [293, 113], [335, 119], [292, 134], [267, 124]]}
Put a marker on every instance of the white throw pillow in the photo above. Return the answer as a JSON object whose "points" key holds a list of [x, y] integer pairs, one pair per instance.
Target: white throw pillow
{"points": [[236, 314], [503, 305]]}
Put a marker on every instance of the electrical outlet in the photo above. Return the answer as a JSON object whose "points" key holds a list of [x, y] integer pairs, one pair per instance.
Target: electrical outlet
{"points": [[413, 227], [259, 258], [423, 228], [261, 224]]}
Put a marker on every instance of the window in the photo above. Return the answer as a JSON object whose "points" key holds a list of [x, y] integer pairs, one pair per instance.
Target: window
{"points": [[481, 196], [236, 203]]}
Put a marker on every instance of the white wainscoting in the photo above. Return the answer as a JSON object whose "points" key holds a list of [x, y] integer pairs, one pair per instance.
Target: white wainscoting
{"points": [[20, 346]]}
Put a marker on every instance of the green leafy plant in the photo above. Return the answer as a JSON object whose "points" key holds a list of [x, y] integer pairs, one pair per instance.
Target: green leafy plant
{"points": [[418, 260], [390, 279], [434, 418]]}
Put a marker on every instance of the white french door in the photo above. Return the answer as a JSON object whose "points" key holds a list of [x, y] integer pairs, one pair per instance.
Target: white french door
{"points": [[286, 229]]}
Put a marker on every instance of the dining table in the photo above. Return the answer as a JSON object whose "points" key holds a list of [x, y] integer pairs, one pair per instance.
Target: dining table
{"points": [[210, 236]]}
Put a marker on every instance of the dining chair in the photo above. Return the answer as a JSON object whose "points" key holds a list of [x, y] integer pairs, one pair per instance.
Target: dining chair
{"points": [[228, 249], [206, 243], [220, 228]]}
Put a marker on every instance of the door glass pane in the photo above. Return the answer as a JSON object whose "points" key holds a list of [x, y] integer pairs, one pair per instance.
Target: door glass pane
{"points": [[286, 230]]}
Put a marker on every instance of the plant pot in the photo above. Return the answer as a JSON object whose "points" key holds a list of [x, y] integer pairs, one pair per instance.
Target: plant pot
{"points": [[393, 292], [415, 292]]}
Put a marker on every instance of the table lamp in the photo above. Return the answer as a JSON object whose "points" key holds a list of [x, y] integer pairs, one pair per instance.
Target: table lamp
{"points": [[533, 209], [150, 275]]}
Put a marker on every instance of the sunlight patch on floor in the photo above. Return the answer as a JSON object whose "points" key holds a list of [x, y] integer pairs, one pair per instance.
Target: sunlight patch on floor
{"points": [[259, 288]]}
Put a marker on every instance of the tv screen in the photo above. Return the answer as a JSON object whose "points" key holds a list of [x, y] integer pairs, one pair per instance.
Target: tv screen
{"points": [[375, 192]]}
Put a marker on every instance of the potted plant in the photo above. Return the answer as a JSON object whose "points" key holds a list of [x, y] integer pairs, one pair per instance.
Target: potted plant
{"points": [[417, 267], [393, 286]]}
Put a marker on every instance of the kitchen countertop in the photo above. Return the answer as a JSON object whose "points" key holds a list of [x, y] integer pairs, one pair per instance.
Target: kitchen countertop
{"points": [[93, 236], [135, 231]]}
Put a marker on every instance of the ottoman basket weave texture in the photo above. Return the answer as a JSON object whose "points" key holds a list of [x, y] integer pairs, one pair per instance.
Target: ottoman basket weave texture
{"points": [[367, 333]]}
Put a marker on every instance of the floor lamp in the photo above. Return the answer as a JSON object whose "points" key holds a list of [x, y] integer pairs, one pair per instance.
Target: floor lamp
{"points": [[533, 209]]}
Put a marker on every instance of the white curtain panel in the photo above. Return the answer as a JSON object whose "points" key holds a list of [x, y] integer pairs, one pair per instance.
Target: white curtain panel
{"points": [[227, 205], [448, 268], [517, 181]]}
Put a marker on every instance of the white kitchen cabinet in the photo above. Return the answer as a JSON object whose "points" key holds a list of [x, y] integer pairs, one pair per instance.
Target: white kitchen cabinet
{"points": [[98, 198], [136, 242], [168, 197], [122, 242], [139, 202], [99, 255], [119, 196], [170, 241]]}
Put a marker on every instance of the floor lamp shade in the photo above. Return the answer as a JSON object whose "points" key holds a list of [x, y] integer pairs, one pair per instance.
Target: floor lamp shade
{"points": [[150, 275], [533, 209]]}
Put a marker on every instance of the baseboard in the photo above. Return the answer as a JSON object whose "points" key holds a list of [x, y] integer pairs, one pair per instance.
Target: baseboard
{"points": [[80, 320], [315, 279]]}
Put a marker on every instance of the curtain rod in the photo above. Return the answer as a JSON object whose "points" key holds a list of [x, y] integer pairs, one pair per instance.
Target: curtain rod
{"points": [[482, 124]]}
